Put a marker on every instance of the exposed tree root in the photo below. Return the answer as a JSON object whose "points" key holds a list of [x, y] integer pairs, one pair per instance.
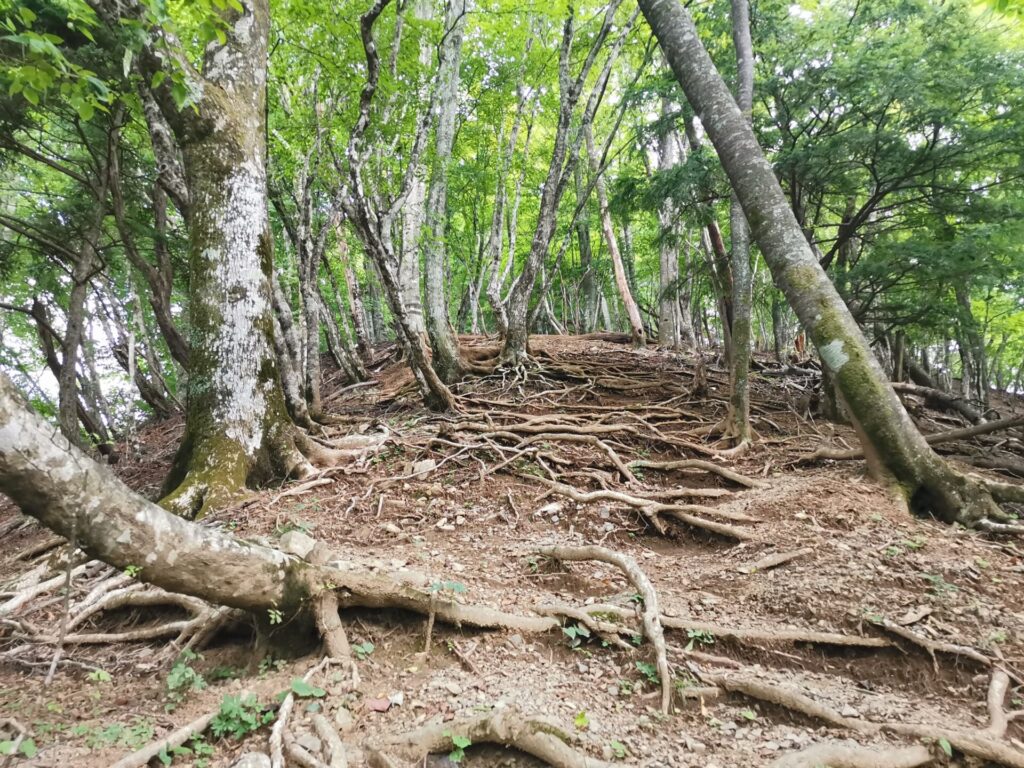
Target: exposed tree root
{"points": [[705, 466], [506, 727], [977, 745], [774, 560], [936, 438], [937, 646], [651, 613], [141, 757], [836, 755], [744, 636], [277, 733], [652, 510]]}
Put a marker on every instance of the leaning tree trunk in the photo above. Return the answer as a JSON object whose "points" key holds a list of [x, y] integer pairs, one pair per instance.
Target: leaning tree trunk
{"points": [[737, 420], [895, 448], [446, 360], [636, 324], [237, 427]]}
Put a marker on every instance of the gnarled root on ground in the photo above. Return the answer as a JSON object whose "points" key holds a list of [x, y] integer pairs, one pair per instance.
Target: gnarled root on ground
{"points": [[507, 727], [849, 755], [651, 613], [982, 745]]}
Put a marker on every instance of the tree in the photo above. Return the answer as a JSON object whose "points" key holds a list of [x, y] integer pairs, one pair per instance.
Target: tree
{"points": [[895, 448], [237, 427]]}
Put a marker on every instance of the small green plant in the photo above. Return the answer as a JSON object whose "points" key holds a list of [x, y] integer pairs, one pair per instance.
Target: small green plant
{"points": [[576, 634], [748, 714], [27, 748], [99, 676], [274, 616], [305, 690], [197, 748], [183, 679], [240, 716], [132, 571], [649, 671], [362, 650], [454, 587], [618, 750], [581, 721], [939, 586], [270, 664], [130, 736], [625, 687], [459, 744], [699, 637], [915, 543], [946, 747], [295, 525]]}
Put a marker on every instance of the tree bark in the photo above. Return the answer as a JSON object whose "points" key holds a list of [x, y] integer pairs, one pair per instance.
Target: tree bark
{"points": [[446, 360], [237, 426], [895, 448], [636, 324], [737, 419]]}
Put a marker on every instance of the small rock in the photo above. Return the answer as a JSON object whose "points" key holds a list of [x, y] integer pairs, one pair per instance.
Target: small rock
{"points": [[391, 528], [252, 760], [398, 699], [309, 741], [849, 711], [516, 641], [460, 520], [424, 466], [297, 543], [453, 688], [378, 705], [343, 720]]}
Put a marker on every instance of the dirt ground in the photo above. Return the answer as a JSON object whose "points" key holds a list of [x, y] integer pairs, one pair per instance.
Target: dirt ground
{"points": [[473, 520]]}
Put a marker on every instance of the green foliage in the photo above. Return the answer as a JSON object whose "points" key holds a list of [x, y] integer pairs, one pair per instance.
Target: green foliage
{"points": [[459, 745], [649, 671], [363, 650], [183, 679], [305, 690], [619, 750], [239, 716], [131, 736], [576, 633]]}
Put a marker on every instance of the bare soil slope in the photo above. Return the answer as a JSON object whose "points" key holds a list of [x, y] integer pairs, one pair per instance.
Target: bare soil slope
{"points": [[869, 621]]}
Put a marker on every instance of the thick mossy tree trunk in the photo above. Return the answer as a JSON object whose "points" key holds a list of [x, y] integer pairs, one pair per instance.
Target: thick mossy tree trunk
{"points": [[237, 427], [896, 450]]}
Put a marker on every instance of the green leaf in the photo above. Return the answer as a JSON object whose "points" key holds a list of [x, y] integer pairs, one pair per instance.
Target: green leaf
{"points": [[29, 748], [303, 689], [27, 16], [581, 721], [461, 741], [158, 77], [946, 747]]}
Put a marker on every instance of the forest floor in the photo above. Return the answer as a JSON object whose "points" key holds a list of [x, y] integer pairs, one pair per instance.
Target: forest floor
{"points": [[917, 614]]}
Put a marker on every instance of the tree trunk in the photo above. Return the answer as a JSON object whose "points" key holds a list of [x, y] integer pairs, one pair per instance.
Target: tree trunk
{"points": [[669, 325], [737, 420], [445, 347], [894, 446], [636, 324], [237, 427]]}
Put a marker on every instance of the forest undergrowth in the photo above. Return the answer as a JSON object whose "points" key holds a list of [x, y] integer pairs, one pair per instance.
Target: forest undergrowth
{"points": [[653, 599]]}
